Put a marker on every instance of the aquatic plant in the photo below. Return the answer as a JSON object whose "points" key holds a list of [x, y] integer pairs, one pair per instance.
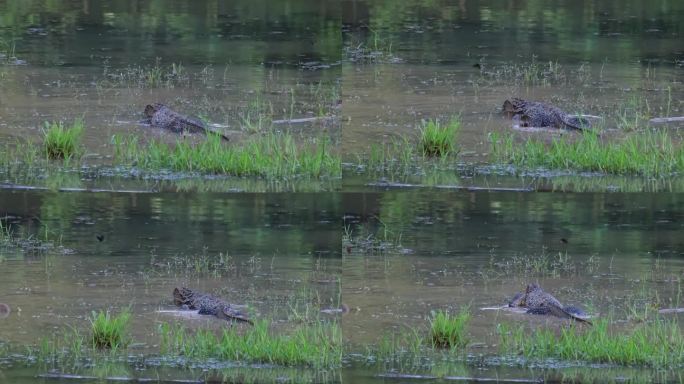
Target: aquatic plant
{"points": [[437, 139], [7, 51], [44, 242], [634, 113], [270, 155], [64, 346], [5, 234], [257, 116], [659, 343], [148, 76], [397, 346], [318, 345], [200, 265], [62, 142], [434, 151], [532, 72], [652, 153], [109, 331], [449, 331], [377, 48], [363, 240]]}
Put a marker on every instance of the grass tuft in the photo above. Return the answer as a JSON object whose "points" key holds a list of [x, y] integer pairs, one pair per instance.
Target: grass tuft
{"points": [[109, 331], [62, 142], [650, 154], [437, 139], [448, 331], [271, 155], [657, 344], [318, 345]]}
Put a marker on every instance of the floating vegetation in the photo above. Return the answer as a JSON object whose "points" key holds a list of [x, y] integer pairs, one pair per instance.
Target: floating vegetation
{"points": [[362, 240], [68, 348], [437, 139], [446, 338], [377, 49], [399, 346], [63, 142], [257, 116], [318, 345], [659, 343], [5, 235], [449, 331], [271, 155], [634, 113], [652, 153], [532, 73], [7, 52], [543, 263], [42, 242], [154, 76], [109, 331], [200, 265]]}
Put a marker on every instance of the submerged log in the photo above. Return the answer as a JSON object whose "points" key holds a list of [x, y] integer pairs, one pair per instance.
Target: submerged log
{"points": [[661, 120]]}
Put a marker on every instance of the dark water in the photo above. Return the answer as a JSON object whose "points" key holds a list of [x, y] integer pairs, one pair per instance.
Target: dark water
{"points": [[392, 247], [453, 32], [86, 33]]}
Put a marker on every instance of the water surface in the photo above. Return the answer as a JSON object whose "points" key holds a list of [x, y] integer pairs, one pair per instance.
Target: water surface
{"points": [[276, 253], [612, 254]]}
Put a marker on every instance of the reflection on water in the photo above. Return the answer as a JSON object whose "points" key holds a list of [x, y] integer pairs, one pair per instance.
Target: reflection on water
{"points": [[99, 238], [453, 32], [267, 251], [433, 60], [87, 32], [497, 178], [236, 66], [615, 255]]}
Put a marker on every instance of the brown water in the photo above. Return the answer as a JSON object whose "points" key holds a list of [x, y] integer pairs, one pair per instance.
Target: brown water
{"points": [[621, 62], [390, 100], [393, 247], [236, 67], [279, 252], [612, 255]]}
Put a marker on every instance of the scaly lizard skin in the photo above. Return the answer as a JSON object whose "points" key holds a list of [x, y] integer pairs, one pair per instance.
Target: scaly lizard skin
{"points": [[539, 114], [208, 305], [539, 302], [161, 116]]}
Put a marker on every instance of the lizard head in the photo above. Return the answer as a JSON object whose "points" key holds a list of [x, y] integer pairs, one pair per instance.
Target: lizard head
{"points": [[151, 109]]}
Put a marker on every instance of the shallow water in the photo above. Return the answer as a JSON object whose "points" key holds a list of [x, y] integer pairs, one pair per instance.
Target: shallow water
{"points": [[619, 61], [607, 253], [110, 251], [393, 247], [236, 67]]}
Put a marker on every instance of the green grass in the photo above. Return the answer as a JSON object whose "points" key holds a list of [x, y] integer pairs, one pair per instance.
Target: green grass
{"points": [[449, 331], [7, 48], [270, 155], [652, 153], [434, 150], [659, 343], [318, 345], [5, 235], [149, 76], [62, 142], [437, 139], [109, 331]]}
